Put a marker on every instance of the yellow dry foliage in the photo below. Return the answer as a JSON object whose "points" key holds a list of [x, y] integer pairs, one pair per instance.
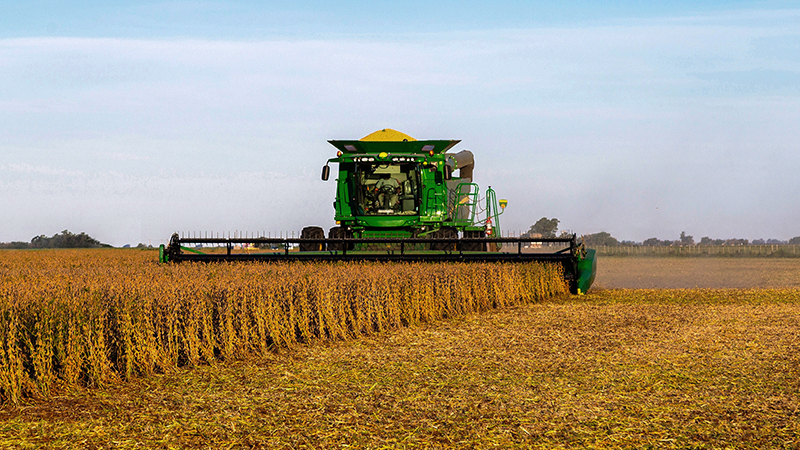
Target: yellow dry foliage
{"points": [[92, 317]]}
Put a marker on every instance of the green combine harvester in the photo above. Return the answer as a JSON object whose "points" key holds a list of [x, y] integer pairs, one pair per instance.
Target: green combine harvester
{"points": [[399, 199]]}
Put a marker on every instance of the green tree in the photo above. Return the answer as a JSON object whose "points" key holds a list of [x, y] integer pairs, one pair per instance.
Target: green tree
{"points": [[66, 239], [601, 238], [545, 227], [795, 240], [686, 240]]}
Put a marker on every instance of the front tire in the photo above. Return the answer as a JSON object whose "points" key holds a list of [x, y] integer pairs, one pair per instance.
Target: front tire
{"points": [[339, 233], [312, 233]]}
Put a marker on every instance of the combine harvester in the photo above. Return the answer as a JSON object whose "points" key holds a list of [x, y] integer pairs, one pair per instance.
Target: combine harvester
{"points": [[397, 199]]}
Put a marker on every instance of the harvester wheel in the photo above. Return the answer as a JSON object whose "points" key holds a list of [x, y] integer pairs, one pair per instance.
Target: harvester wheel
{"points": [[312, 233], [339, 233], [474, 246], [444, 233]]}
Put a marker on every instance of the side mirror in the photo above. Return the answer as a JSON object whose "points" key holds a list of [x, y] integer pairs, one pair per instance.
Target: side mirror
{"points": [[326, 172], [448, 172]]}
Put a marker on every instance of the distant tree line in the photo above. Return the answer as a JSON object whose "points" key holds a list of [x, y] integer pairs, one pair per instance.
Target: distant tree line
{"points": [[65, 239], [600, 239], [605, 239], [547, 228]]}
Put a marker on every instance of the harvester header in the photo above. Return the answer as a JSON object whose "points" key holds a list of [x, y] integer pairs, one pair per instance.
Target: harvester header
{"points": [[400, 199]]}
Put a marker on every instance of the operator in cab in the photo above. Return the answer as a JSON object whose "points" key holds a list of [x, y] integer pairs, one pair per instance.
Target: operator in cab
{"points": [[388, 189]]}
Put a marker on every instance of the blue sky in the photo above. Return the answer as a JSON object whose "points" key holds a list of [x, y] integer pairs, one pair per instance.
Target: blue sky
{"points": [[135, 120], [304, 19]]}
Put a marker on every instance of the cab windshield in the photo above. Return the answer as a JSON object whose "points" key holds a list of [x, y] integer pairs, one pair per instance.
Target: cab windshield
{"points": [[387, 189]]}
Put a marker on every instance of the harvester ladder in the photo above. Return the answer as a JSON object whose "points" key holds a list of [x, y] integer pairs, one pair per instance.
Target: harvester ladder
{"points": [[464, 203], [435, 201]]}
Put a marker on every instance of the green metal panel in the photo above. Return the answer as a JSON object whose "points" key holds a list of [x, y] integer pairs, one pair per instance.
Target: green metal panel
{"points": [[387, 221], [587, 269], [343, 188]]}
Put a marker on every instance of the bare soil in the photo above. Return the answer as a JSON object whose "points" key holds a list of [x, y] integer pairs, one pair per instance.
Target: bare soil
{"points": [[686, 273]]}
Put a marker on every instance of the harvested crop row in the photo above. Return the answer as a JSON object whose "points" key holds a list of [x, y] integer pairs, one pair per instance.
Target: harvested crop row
{"points": [[92, 317]]}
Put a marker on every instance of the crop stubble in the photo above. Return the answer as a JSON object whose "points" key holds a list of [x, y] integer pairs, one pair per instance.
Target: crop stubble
{"points": [[701, 272]]}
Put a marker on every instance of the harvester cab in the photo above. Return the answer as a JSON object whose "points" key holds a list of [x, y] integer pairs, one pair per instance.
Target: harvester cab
{"points": [[392, 185], [401, 199]]}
